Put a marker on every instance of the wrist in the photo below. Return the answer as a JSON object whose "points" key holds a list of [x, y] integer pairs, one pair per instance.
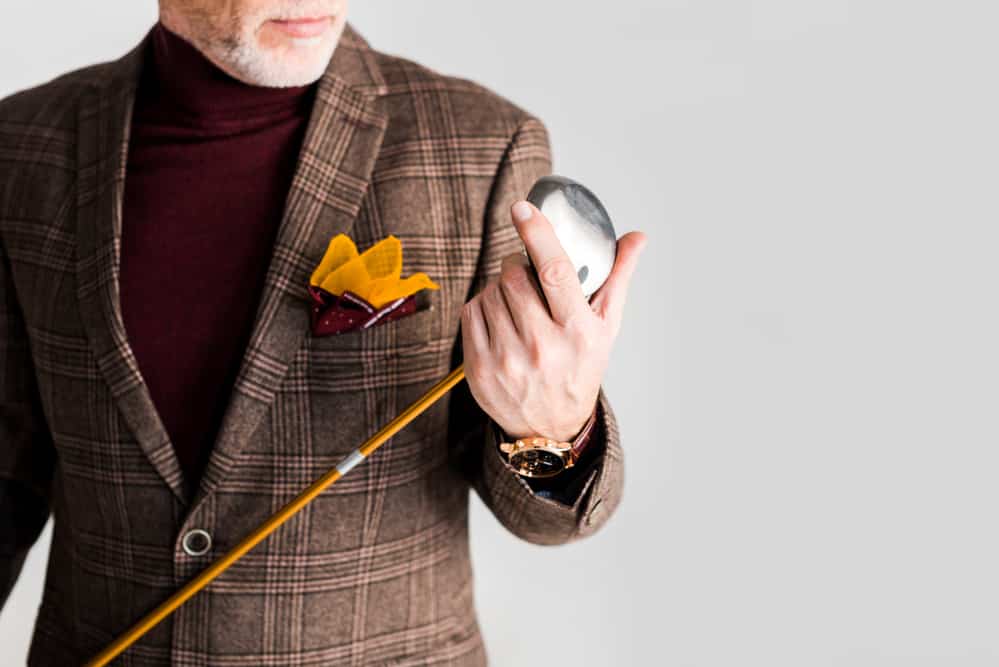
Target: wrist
{"points": [[539, 456], [581, 433]]}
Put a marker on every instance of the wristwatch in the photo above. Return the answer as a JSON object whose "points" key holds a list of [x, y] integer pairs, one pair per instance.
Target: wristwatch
{"points": [[543, 457]]}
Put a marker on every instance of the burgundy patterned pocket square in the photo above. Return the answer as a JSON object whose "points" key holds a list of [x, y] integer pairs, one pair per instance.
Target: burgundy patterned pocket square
{"points": [[334, 314], [351, 291]]}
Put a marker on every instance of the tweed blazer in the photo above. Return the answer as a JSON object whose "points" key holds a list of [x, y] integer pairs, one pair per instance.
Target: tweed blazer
{"points": [[376, 570]]}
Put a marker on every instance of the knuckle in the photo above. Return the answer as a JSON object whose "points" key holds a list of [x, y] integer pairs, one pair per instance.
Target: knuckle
{"points": [[489, 291], [557, 272], [537, 353], [578, 330], [510, 366], [496, 294], [514, 278]]}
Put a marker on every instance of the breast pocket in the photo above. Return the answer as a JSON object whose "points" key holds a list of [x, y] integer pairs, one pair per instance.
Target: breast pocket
{"points": [[405, 350], [359, 380]]}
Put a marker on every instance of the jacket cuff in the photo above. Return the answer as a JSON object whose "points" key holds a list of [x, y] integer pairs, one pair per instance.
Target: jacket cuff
{"points": [[588, 445], [543, 520]]}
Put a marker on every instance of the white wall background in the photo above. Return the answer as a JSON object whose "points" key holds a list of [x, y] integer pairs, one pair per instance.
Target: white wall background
{"points": [[806, 379]]}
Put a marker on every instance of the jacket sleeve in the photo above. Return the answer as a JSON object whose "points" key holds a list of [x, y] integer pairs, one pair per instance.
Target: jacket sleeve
{"points": [[528, 508], [27, 457], [567, 486]]}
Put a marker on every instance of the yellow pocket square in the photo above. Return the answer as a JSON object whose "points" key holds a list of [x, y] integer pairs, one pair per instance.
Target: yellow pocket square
{"points": [[374, 275], [356, 291]]}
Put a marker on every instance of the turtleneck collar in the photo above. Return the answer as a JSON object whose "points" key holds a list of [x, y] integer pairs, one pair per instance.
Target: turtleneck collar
{"points": [[179, 80]]}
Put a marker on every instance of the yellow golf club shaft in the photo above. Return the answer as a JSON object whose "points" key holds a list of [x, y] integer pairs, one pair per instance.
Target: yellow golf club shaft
{"points": [[149, 621]]}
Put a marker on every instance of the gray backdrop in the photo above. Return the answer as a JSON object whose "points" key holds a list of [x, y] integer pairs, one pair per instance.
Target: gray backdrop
{"points": [[807, 376]]}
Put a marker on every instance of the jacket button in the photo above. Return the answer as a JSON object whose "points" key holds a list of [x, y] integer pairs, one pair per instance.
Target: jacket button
{"points": [[196, 542]]}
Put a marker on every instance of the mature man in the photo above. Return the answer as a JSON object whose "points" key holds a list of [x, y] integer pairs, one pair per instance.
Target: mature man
{"points": [[162, 393]]}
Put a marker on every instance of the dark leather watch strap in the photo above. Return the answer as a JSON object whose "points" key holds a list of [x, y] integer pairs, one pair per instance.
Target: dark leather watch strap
{"points": [[583, 437]]}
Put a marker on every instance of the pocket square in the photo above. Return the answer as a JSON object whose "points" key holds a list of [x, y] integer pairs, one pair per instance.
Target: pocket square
{"points": [[351, 290]]}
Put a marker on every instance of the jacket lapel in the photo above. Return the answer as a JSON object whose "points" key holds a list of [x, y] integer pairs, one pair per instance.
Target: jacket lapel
{"points": [[342, 140], [103, 122]]}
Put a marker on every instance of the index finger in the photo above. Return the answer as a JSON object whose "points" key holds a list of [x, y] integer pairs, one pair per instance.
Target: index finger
{"points": [[553, 266]]}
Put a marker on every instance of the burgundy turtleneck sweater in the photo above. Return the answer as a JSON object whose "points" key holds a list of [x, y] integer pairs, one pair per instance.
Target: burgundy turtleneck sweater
{"points": [[209, 165], [210, 162]]}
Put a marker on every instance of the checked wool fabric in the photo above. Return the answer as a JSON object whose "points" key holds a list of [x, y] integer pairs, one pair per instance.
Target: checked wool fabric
{"points": [[376, 571]]}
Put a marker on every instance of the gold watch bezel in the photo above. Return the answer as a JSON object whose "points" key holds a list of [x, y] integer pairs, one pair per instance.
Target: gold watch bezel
{"points": [[520, 448]]}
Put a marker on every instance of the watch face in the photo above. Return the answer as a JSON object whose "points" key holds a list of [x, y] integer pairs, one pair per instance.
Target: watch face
{"points": [[537, 463]]}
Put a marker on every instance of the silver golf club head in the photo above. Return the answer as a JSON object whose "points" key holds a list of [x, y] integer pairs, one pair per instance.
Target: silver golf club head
{"points": [[582, 226]]}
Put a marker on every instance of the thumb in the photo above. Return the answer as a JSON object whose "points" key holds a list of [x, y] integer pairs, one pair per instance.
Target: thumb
{"points": [[608, 301]]}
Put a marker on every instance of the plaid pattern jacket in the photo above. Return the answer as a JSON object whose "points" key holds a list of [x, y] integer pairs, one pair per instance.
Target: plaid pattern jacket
{"points": [[376, 571]]}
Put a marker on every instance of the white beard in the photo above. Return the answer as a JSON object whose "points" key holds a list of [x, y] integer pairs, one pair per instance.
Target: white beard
{"points": [[238, 50], [297, 62]]}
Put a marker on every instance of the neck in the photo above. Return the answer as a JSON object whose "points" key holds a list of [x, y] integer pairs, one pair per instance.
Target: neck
{"points": [[180, 79]]}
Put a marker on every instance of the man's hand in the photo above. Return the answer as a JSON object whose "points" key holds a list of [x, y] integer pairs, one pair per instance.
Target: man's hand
{"points": [[533, 372]]}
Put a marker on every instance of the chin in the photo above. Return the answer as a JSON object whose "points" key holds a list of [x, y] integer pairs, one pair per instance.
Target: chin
{"points": [[267, 57]]}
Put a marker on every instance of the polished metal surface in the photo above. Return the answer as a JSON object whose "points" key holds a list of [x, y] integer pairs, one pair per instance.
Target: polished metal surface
{"points": [[582, 225]]}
